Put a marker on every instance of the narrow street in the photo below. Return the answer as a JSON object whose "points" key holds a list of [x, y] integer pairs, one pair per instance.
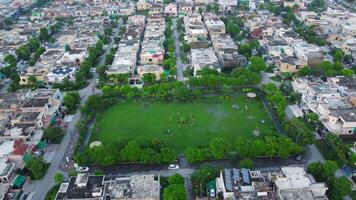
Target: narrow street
{"points": [[179, 64], [40, 188]]}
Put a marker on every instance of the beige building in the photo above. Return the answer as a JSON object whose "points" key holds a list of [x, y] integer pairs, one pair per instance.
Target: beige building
{"points": [[38, 73]]}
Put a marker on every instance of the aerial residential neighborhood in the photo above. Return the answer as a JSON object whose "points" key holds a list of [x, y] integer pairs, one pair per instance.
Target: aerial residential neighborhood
{"points": [[177, 99]]}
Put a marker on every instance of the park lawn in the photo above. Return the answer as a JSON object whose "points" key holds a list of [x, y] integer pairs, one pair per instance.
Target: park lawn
{"points": [[206, 120]]}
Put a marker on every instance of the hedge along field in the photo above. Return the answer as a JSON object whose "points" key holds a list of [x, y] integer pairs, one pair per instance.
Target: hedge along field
{"points": [[183, 125]]}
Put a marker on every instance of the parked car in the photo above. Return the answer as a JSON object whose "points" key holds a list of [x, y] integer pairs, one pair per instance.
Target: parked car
{"points": [[82, 169], [173, 166]]}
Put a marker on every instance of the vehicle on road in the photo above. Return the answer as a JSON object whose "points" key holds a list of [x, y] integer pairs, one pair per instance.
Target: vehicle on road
{"points": [[173, 166]]}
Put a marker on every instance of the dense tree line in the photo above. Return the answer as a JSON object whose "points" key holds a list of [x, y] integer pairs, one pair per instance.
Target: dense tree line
{"points": [[163, 91], [269, 145], [338, 187], [140, 150], [276, 98], [239, 76], [169, 61]]}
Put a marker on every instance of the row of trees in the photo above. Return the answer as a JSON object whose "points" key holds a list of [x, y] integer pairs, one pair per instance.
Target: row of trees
{"points": [[306, 32], [326, 69], [299, 131], [169, 61], [143, 151], [276, 98], [271, 145], [174, 188], [338, 187], [36, 167], [239, 76], [163, 91]]}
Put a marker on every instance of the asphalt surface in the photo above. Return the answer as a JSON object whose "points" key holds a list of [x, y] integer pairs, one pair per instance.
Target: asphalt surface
{"points": [[179, 64], [42, 187]]}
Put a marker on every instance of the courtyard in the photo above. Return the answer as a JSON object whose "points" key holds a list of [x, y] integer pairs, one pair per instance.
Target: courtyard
{"points": [[183, 125]]}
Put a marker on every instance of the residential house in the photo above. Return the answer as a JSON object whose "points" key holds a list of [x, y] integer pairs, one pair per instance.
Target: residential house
{"points": [[202, 58], [38, 73], [171, 9]]}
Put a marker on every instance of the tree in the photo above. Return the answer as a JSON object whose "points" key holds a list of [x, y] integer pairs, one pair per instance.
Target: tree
{"points": [[131, 152], [23, 53], [245, 50], [257, 64], [176, 179], [347, 72], [299, 132], [338, 55], [37, 168], [243, 148], [340, 187], [149, 78], [305, 71], [54, 134], [168, 154], [10, 60], [219, 147], [246, 163], [71, 100], [67, 48], [58, 178], [44, 36], [175, 192], [201, 177], [329, 168], [33, 44]]}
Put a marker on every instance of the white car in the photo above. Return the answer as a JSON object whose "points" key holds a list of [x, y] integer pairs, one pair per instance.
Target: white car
{"points": [[82, 169], [173, 166]]}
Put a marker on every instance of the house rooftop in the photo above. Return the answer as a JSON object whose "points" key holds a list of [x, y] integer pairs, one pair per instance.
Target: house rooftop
{"points": [[36, 103], [82, 186]]}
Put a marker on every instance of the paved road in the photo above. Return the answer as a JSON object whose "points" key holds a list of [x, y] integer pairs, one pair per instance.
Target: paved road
{"points": [[265, 79], [179, 65], [42, 187]]}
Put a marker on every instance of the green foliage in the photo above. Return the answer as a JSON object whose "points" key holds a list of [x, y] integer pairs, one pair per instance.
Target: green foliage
{"points": [[305, 71], [71, 100], [316, 5], [37, 168], [201, 177], [246, 163], [176, 179], [44, 35], [272, 145], [337, 149], [219, 147], [276, 98], [245, 50], [325, 172], [175, 192], [98, 173], [347, 72], [143, 151], [58, 178], [257, 64], [299, 132], [149, 78], [10, 60], [54, 134]]}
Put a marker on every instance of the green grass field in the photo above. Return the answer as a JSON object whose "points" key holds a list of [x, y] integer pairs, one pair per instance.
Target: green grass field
{"points": [[183, 125]]}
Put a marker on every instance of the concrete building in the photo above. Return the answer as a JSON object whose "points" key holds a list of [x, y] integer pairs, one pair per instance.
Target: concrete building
{"points": [[295, 183], [202, 58]]}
